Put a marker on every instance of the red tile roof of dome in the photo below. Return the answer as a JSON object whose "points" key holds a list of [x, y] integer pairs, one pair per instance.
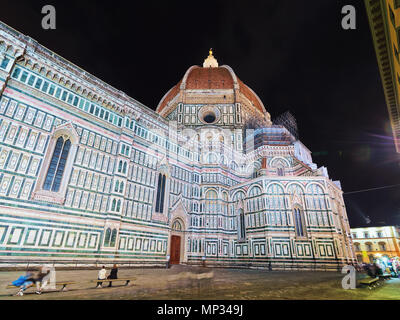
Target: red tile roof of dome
{"points": [[169, 96], [209, 78], [250, 95], [198, 78]]}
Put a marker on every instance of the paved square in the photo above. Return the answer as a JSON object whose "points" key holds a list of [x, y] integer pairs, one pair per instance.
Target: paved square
{"points": [[181, 282]]}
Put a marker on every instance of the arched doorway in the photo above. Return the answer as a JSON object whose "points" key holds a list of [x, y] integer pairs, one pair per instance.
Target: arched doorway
{"points": [[176, 242]]}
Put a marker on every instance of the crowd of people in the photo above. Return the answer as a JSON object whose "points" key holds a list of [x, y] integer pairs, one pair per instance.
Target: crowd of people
{"points": [[41, 277], [379, 268]]}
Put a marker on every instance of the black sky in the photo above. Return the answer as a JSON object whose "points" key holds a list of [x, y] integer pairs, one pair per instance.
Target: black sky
{"points": [[292, 53]]}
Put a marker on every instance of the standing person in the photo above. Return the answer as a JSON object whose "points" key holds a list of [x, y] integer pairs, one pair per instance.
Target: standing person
{"points": [[42, 278], [101, 276], [24, 282], [113, 274]]}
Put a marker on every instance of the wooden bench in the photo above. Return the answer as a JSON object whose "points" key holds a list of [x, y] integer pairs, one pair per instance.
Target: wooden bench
{"points": [[63, 285], [127, 280], [370, 282]]}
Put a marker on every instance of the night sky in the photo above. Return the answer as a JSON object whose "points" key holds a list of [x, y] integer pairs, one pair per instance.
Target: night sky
{"points": [[292, 53]]}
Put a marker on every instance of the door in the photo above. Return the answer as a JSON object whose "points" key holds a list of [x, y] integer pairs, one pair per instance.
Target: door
{"points": [[175, 249]]}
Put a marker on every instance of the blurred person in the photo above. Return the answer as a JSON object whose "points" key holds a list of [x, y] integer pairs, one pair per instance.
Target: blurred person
{"points": [[24, 282]]}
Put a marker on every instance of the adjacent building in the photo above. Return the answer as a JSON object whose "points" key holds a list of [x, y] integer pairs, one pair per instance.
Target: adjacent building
{"points": [[89, 175], [384, 20], [373, 243]]}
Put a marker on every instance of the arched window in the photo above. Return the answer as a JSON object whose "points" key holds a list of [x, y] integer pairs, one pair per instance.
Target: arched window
{"points": [[211, 201], [299, 222], [177, 226], [121, 187], [56, 169], [254, 203], [160, 193], [107, 237], [113, 205], [242, 225], [113, 238], [116, 186], [124, 168], [225, 202]]}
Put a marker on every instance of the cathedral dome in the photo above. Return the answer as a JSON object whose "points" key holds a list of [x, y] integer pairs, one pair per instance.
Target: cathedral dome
{"points": [[211, 78]]}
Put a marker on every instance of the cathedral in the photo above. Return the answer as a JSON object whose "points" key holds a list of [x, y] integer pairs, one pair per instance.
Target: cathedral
{"points": [[89, 175]]}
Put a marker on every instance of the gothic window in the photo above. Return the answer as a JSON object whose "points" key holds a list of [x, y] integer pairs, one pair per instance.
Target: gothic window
{"points": [[299, 222], [107, 237], [113, 238], [177, 226], [211, 201], [225, 202], [242, 225], [160, 193], [57, 165], [254, 202], [124, 168], [280, 172]]}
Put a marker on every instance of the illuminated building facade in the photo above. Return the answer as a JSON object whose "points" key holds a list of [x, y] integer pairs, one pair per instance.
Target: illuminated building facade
{"points": [[89, 175], [375, 242], [384, 20]]}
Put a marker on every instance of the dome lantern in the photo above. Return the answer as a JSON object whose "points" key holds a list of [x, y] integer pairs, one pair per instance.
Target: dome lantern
{"points": [[210, 62]]}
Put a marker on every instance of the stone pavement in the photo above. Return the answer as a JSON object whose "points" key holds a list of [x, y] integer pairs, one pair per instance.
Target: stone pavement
{"points": [[183, 282]]}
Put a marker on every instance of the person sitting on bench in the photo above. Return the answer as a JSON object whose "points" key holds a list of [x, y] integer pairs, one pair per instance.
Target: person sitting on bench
{"points": [[101, 276], [42, 278], [24, 282], [113, 274]]}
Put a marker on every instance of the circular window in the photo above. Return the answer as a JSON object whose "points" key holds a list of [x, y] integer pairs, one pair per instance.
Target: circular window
{"points": [[209, 117]]}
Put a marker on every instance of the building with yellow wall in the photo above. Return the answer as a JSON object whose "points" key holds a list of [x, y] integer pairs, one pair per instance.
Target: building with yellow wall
{"points": [[384, 20], [376, 242]]}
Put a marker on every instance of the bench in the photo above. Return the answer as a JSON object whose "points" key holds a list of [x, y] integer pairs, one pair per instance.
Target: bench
{"points": [[385, 276], [370, 282], [63, 285], [127, 280]]}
